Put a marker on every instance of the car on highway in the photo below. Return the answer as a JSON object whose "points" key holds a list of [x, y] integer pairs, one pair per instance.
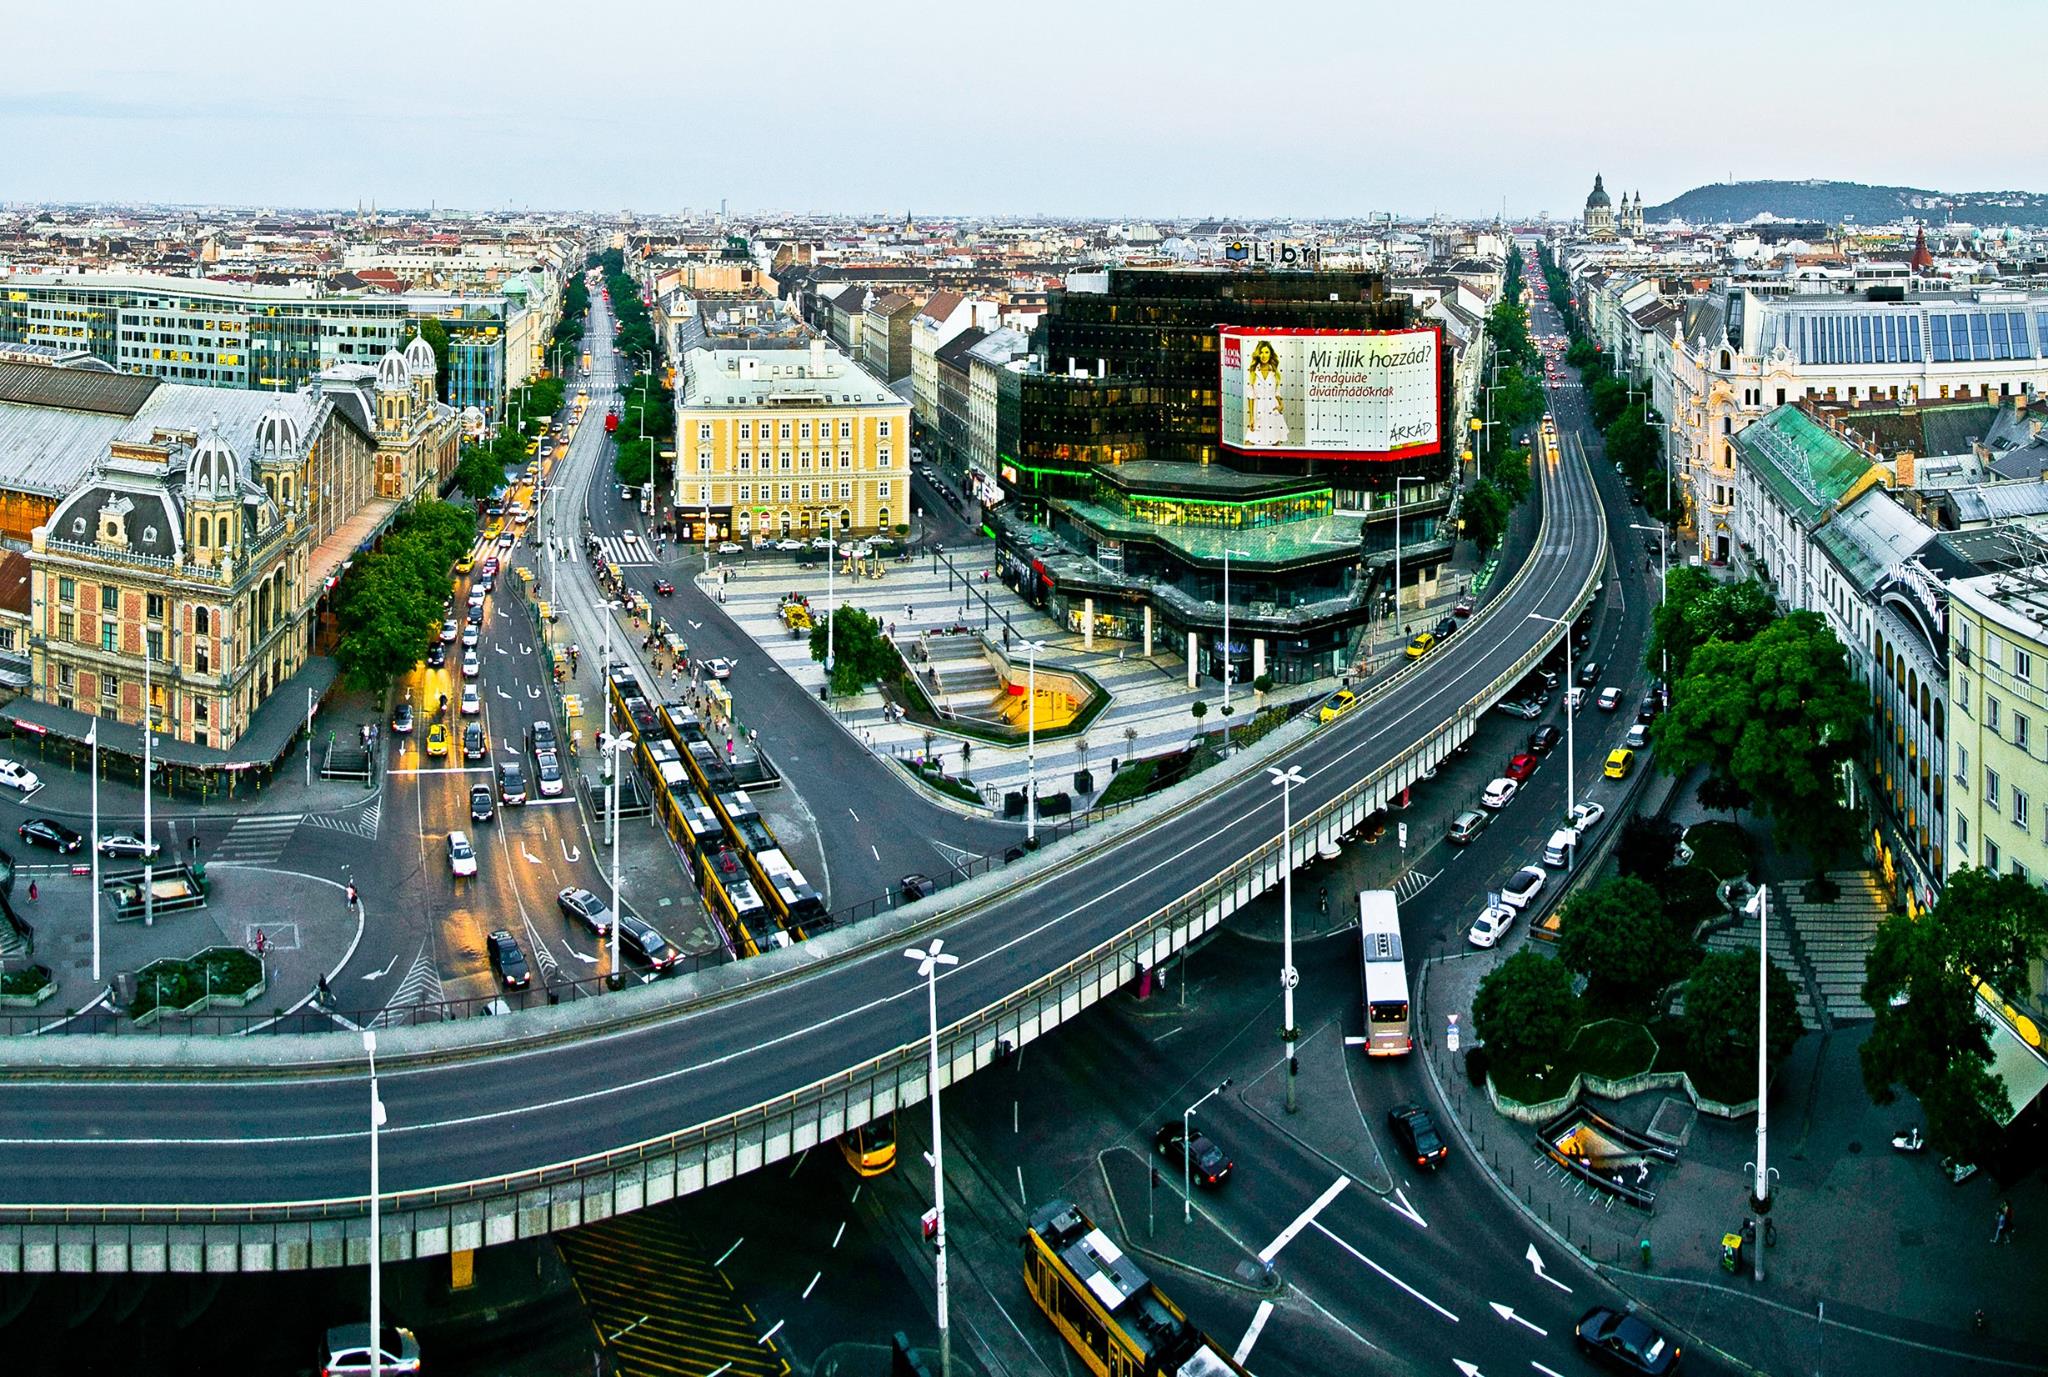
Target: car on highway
{"points": [[1523, 708], [1336, 705], [1490, 926], [482, 807], [18, 776], [1587, 816], [1609, 699], [437, 655], [1625, 1343], [581, 906], [1619, 761], [472, 701], [1522, 887], [1423, 643], [1416, 1132], [1589, 673], [1520, 766], [51, 833], [461, 855], [474, 747], [119, 844], [647, 945], [718, 667], [1574, 699], [508, 962], [915, 887], [402, 720], [437, 739], [348, 1352], [547, 774], [1638, 736], [1205, 1163], [471, 666], [490, 569], [449, 630], [1498, 794], [1544, 739], [511, 782], [1466, 827], [728, 547]]}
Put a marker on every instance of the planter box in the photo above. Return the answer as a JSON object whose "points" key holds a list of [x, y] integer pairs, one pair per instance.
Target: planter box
{"points": [[29, 1001], [239, 1000]]}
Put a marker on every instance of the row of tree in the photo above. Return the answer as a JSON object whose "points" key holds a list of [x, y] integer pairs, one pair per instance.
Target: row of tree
{"points": [[636, 330], [482, 467], [1518, 401], [647, 425], [391, 600]]}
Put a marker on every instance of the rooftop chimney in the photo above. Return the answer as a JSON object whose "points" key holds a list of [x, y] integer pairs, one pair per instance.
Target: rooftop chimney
{"points": [[817, 358]]}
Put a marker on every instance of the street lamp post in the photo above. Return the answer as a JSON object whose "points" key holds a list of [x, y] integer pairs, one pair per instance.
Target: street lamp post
{"points": [[148, 736], [1229, 664], [1031, 650], [376, 1214], [929, 961], [1760, 1197], [1664, 578], [1399, 486], [1570, 737], [92, 739], [1285, 780], [1187, 1119]]}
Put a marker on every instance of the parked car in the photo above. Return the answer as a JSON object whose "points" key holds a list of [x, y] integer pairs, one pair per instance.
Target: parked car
{"points": [[1205, 1163], [1423, 643], [348, 1352], [1520, 766], [727, 547], [915, 887], [1619, 762], [18, 776], [1336, 705], [1523, 886], [1625, 1343], [581, 906], [508, 960], [1587, 816], [1466, 827], [1416, 1132], [121, 844], [788, 545], [1499, 794], [1446, 628], [653, 950], [1463, 608], [1522, 708], [1609, 699], [511, 782], [482, 807], [51, 833], [1544, 739], [1638, 736], [1491, 925]]}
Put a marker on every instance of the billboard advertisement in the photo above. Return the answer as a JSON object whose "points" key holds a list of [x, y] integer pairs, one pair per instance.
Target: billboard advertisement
{"points": [[1361, 394]]}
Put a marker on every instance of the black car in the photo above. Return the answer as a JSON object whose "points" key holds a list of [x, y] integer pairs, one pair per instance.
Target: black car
{"points": [[51, 833], [473, 741], [1589, 673], [918, 887], [1625, 1343], [1544, 739], [511, 782], [647, 944], [508, 960], [541, 736], [437, 655], [127, 844], [581, 906], [1205, 1163], [1416, 1132], [1446, 628], [482, 807]]}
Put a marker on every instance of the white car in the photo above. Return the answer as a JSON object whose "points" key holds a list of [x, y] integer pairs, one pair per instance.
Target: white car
{"points": [[1638, 737], [471, 634], [727, 547], [1523, 886], [1491, 925], [472, 701], [18, 776], [471, 667], [1587, 816], [448, 631], [718, 668], [789, 544], [461, 856], [822, 543], [1499, 794]]}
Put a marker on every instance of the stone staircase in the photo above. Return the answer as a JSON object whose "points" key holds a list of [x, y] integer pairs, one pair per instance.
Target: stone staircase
{"points": [[1835, 939], [1742, 935]]}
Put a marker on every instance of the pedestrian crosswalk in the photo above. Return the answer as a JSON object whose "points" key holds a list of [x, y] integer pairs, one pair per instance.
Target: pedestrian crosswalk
{"points": [[626, 551], [360, 822], [1413, 883], [257, 838]]}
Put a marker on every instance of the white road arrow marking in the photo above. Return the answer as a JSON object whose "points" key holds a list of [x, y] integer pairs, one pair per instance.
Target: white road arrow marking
{"points": [[1468, 1369], [526, 650], [379, 975], [1403, 1207], [1546, 1371], [500, 650], [530, 857], [503, 694], [572, 854], [1507, 1312], [532, 692], [586, 960], [695, 626], [1536, 1261]]}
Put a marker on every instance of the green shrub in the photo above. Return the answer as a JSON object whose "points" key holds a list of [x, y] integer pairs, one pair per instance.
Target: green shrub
{"points": [[1719, 847], [26, 981], [1689, 892], [1132, 781], [1478, 1062]]}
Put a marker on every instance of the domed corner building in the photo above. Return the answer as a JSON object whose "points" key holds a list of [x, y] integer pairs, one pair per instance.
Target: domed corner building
{"points": [[1599, 221]]}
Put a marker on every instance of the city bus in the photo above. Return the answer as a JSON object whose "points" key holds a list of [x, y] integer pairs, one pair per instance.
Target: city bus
{"points": [[1106, 1308], [870, 1149], [1385, 975]]}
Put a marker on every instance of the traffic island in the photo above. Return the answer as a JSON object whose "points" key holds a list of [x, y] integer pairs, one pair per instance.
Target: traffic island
{"points": [[1154, 1218], [227, 977]]}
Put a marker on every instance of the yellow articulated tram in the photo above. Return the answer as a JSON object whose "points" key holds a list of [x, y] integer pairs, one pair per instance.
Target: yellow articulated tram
{"points": [[1105, 1306]]}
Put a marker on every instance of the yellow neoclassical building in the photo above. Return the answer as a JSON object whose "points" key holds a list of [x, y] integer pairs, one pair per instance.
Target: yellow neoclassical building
{"points": [[787, 442]]}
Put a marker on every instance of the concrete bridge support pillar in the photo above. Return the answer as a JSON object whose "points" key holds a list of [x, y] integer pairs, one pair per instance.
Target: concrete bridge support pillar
{"points": [[1192, 660], [1087, 623]]}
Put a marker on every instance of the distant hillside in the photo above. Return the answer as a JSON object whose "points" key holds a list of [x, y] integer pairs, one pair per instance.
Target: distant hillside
{"points": [[1848, 202]]}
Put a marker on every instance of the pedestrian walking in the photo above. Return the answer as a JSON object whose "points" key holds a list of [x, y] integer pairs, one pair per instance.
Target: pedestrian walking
{"points": [[2001, 1223], [326, 995], [350, 905], [31, 891]]}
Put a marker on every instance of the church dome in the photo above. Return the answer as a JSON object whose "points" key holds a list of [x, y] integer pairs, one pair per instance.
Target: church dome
{"points": [[391, 371], [277, 435], [210, 473], [1598, 199], [419, 357]]}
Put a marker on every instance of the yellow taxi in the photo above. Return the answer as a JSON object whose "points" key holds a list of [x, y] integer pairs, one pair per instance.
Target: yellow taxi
{"points": [[1336, 705], [437, 739], [1619, 762], [1424, 642], [465, 564]]}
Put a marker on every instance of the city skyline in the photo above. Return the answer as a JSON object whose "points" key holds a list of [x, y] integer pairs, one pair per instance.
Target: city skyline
{"points": [[484, 108]]}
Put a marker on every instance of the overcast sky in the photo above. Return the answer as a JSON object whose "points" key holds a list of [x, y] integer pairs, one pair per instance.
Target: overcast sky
{"points": [[1110, 107]]}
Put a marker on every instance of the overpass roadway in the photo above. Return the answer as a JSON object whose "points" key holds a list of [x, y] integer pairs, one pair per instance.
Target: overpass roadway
{"points": [[187, 1154]]}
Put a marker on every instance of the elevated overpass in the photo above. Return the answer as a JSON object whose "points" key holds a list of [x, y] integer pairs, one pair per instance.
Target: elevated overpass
{"points": [[161, 1154]]}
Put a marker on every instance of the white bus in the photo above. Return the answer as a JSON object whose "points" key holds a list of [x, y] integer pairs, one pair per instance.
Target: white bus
{"points": [[1385, 974]]}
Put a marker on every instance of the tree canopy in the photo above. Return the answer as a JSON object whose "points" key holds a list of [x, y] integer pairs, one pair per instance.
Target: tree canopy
{"points": [[1618, 936], [1524, 1010], [1920, 981], [1719, 1027], [861, 653], [1485, 513], [390, 600], [1697, 608], [436, 336]]}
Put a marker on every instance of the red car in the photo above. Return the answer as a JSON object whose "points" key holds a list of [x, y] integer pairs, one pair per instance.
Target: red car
{"points": [[1463, 609], [1521, 767], [662, 587]]}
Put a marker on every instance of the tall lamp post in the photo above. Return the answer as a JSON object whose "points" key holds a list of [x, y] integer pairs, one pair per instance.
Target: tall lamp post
{"points": [[1229, 663], [376, 1214], [1399, 489], [1031, 651], [929, 961], [1760, 1196], [1187, 1120], [1570, 742], [148, 770], [92, 739], [1663, 534], [1285, 780]]}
